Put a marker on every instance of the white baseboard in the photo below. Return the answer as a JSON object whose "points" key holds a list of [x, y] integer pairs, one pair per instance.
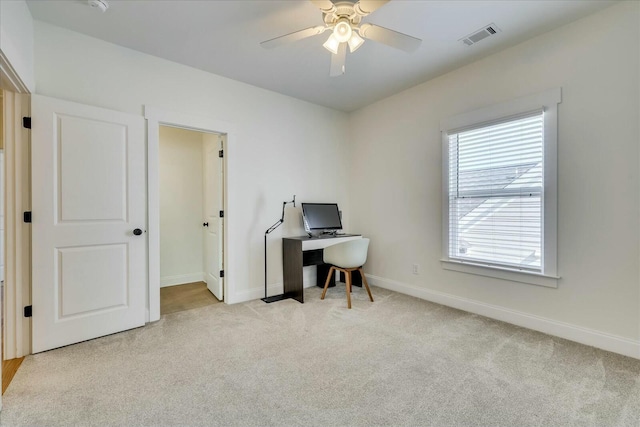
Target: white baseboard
{"points": [[255, 293], [591, 337], [181, 279]]}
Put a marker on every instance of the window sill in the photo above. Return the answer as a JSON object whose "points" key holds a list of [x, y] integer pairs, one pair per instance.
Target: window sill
{"points": [[501, 273]]}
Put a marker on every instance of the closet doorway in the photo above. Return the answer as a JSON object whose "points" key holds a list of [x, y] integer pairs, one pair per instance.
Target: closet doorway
{"points": [[191, 218]]}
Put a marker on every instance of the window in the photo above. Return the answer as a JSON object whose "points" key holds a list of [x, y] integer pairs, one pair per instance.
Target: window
{"points": [[495, 193], [500, 190]]}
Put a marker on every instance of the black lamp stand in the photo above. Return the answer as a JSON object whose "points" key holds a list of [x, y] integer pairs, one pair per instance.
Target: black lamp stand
{"points": [[280, 297]]}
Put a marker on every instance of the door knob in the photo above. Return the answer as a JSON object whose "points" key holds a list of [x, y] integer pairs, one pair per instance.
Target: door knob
{"points": [[137, 232], [206, 224]]}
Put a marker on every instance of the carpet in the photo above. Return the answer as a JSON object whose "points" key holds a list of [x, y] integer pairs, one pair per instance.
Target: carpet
{"points": [[399, 361]]}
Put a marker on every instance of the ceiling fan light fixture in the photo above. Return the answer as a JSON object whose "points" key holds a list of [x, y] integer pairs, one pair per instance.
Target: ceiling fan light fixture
{"points": [[355, 42], [342, 30], [332, 44], [343, 19]]}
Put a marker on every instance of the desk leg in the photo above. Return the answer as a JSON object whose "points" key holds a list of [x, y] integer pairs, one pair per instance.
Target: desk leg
{"points": [[292, 269]]}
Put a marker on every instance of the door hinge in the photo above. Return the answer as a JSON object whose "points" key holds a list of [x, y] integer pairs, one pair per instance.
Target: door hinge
{"points": [[221, 153], [221, 214], [28, 311], [221, 273], [26, 122], [26, 216]]}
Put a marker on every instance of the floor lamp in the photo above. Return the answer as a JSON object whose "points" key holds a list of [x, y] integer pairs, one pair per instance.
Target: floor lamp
{"points": [[280, 297]]}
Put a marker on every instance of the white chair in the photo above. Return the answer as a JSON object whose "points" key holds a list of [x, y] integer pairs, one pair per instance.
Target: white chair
{"points": [[347, 257]]}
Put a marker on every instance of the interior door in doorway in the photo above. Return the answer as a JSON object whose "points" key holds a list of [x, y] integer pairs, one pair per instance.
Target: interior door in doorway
{"points": [[214, 214], [89, 245]]}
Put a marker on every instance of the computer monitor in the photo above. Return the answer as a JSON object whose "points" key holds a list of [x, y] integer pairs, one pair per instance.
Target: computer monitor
{"points": [[321, 217]]}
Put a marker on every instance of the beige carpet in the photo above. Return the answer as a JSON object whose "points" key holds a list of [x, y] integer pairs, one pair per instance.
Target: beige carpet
{"points": [[398, 361]]}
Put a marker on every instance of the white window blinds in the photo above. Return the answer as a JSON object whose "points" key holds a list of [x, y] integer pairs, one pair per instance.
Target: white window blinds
{"points": [[496, 193]]}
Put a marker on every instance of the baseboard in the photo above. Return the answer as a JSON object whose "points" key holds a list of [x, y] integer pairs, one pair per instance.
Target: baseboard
{"points": [[591, 337], [255, 293], [181, 279]]}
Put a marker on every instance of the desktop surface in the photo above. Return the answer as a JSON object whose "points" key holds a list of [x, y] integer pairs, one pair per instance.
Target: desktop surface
{"points": [[321, 237]]}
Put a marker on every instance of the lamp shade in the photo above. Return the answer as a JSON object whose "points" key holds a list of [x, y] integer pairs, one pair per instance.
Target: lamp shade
{"points": [[355, 42], [332, 44]]}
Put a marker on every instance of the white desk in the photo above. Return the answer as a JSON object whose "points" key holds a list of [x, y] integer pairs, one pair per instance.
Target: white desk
{"points": [[302, 251]]}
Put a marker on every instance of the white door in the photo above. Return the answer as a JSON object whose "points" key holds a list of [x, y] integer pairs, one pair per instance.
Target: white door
{"points": [[213, 206], [88, 197]]}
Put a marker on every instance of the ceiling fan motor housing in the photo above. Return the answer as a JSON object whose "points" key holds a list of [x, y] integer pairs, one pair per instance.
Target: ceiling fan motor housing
{"points": [[343, 9]]}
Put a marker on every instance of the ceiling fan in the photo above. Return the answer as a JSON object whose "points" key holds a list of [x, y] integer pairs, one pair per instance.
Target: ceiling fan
{"points": [[343, 18]]}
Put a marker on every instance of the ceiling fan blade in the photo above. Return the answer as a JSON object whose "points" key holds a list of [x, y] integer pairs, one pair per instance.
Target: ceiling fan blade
{"points": [[338, 60], [324, 5], [365, 7], [292, 37], [389, 37]]}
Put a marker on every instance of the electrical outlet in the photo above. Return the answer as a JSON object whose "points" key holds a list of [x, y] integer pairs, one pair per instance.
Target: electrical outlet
{"points": [[416, 269]]}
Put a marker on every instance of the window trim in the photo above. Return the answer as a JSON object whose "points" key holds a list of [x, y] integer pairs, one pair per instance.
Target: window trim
{"points": [[548, 101]]}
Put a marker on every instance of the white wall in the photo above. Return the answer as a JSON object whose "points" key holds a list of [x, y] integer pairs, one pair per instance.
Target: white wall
{"points": [[283, 146], [396, 185], [181, 206], [16, 39]]}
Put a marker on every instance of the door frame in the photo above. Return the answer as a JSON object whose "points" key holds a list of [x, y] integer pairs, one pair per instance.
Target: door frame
{"points": [[17, 147], [157, 117]]}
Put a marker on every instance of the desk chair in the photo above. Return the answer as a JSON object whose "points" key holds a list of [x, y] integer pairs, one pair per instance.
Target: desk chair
{"points": [[347, 257]]}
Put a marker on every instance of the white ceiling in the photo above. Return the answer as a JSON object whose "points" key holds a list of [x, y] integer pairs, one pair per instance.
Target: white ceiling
{"points": [[223, 37]]}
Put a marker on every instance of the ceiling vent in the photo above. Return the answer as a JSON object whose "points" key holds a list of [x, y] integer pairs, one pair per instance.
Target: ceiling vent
{"points": [[481, 34]]}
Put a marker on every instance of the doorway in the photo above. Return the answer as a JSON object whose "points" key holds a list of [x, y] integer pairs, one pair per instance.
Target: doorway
{"points": [[225, 131], [191, 186]]}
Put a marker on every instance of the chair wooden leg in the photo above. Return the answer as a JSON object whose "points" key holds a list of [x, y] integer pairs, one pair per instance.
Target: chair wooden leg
{"points": [[366, 285], [326, 283], [347, 274]]}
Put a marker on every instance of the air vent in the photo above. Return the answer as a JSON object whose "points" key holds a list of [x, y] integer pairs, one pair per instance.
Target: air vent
{"points": [[481, 34]]}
